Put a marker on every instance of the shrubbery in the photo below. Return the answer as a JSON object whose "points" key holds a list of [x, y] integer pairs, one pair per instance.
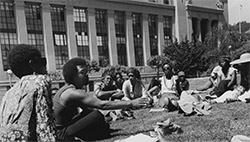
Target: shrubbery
{"points": [[187, 56], [198, 59]]}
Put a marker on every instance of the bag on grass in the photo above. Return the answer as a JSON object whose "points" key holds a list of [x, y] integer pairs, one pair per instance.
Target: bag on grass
{"points": [[191, 102]]}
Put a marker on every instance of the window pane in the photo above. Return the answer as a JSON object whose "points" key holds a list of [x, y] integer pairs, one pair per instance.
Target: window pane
{"points": [[81, 32], [34, 25], [120, 30], [137, 31], [59, 34], [153, 34], [8, 34], [102, 36]]}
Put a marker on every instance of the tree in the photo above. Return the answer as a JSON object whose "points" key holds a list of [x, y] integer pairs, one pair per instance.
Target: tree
{"points": [[187, 56], [244, 27], [221, 42], [93, 66], [156, 62]]}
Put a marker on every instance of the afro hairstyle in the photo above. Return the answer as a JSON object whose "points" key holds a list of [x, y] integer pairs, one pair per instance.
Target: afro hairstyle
{"points": [[109, 72], [118, 73], [135, 71], [19, 58], [169, 64], [70, 68]]}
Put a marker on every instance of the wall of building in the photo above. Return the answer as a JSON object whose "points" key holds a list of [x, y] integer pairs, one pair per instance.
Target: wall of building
{"points": [[185, 10], [205, 3], [128, 6], [180, 11], [212, 4], [180, 19]]}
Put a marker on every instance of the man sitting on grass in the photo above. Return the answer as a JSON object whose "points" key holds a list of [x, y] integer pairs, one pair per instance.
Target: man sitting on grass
{"points": [[89, 124]]}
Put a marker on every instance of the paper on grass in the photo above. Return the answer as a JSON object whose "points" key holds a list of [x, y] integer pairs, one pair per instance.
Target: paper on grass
{"points": [[156, 109], [138, 138]]}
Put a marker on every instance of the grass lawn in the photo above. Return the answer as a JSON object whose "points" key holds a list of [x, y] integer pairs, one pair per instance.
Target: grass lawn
{"points": [[225, 121]]}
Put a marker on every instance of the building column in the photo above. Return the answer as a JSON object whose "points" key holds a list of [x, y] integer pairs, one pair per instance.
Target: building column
{"points": [[198, 29], [48, 37], [174, 35], [189, 28], [209, 28], [92, 35], [146, 42], [112, 38], [21, 22], [130, 40], [2, 72], [72, 48], [160, 34]]}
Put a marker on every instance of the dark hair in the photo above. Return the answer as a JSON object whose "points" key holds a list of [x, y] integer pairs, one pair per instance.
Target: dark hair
{"points": [[169, 64], [70, 68], [226, 59], [135, 71], [19, 58], [107, 72], [118, 73]]}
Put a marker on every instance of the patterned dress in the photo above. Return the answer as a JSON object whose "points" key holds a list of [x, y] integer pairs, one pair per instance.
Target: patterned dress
{"points": [[26, 111]]}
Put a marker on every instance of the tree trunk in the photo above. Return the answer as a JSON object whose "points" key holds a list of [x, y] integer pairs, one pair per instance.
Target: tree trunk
{"points": [[157, 69]]}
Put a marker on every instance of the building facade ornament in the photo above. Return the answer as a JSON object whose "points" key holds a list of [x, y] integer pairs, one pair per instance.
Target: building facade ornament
{"points": [[220, 4], [189, 2]]}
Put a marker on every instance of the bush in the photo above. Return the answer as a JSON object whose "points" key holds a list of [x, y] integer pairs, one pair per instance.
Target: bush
{"points": [[221, 42], [187, 57], [156, 62]]}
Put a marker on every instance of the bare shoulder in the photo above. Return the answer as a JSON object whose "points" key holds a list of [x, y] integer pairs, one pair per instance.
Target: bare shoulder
{"points": [[74, 94]]}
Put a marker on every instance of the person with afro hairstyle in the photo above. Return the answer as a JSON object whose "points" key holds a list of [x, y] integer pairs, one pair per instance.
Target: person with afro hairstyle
{"points": [[168, 94], [107, 89], [26, 110], [119, 80], [227, 77], [88, 125], [133, 87]]}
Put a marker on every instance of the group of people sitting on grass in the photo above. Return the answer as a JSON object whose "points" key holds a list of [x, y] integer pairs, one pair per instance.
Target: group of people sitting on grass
{"points": [[223, 81], [29, 111]]}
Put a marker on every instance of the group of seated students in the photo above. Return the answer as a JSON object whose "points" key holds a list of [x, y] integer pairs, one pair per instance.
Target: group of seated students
{"points": [[28, 110]]}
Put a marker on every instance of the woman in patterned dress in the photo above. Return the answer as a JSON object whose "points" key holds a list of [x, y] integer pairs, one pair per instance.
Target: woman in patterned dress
{"points": [[26, 108]]}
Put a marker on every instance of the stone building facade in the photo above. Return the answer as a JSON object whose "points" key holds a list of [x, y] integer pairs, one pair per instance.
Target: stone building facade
{"points": [[124, 32]]}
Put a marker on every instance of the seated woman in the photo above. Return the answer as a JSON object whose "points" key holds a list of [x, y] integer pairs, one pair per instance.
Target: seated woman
{"points": [[26, 112], [89, 125], [168, 94], [230, 96], [107, 89], [212, 81], [119, 80], [226, 77], [133, 87]]}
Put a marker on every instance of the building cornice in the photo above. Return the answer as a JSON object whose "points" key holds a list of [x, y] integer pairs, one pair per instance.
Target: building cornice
{"points": [[204, 9], [130, 2], [144, 3]]}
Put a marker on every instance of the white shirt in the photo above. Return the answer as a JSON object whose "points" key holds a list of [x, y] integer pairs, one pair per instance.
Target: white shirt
{"points": [[129, 93], [229, 74], [168, 85]]}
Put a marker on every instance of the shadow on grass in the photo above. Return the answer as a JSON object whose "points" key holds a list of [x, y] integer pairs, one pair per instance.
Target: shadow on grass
{"points": [[126, 133]]}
